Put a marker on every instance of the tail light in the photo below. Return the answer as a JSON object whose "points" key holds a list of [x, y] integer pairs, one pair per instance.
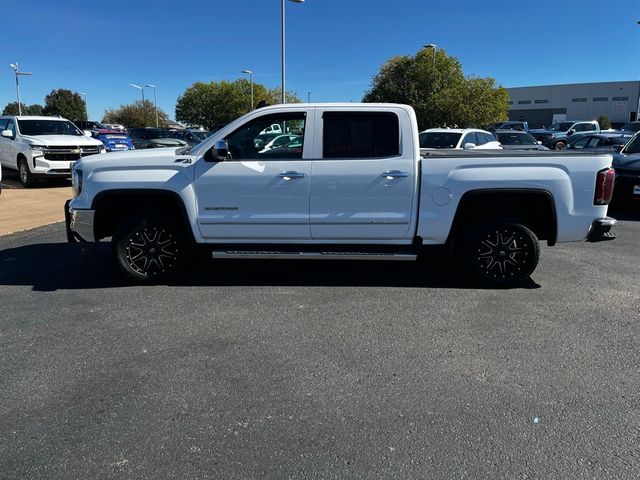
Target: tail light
{"points": [[604, 186]]}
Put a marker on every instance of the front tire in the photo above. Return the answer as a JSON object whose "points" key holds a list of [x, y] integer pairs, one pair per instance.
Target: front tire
{"points": [[149, 249], [502, 253], [560, 146], [27, 178]]}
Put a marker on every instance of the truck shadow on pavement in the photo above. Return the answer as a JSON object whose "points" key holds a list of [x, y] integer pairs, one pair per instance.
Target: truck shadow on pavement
{"points": [[61, 266]]}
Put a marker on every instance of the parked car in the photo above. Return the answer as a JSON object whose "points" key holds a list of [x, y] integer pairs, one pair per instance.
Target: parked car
{"points": [[113, 140], [192, 137], [280, 141], [627, 166], [518, 140], [603, 142], [275, 128], [43, 147], [560, 134], [154, 138], [511, 125], [356, 189], [457, 138], [631, 127], [114, 126], [89, 125]]}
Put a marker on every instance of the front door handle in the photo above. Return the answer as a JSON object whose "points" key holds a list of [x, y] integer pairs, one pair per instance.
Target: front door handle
{"points": [[290, 175], [389, 174]]}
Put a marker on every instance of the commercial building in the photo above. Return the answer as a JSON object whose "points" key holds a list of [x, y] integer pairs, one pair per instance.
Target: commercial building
{"points": [[543, 105]]}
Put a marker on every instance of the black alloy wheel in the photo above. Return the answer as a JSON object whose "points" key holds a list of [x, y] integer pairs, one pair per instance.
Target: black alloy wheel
{"points": [[149, 250], [502, 253]]}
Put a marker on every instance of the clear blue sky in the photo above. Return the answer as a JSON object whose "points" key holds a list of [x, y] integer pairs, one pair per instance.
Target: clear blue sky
{"points": [[334, 47]]}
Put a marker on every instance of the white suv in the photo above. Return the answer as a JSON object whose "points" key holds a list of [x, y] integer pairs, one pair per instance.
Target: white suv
{"points": [[43, 146], [458, 138]]}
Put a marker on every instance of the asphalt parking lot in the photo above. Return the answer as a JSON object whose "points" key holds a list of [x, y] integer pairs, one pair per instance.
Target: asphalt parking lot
{"points": [[308, 370]]}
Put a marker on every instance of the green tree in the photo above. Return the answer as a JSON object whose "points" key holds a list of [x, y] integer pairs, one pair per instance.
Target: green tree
{"points": [[211, 104], [65, 103], [12, 109], [434, 84], [604, 122], [136, 114]]}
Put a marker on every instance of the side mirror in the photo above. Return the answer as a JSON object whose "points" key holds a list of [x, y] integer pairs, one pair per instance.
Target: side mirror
{"points": [[87, 133], [7, 134], [219, 152], [539, 142], [469, 146], [618, 148], [571, 131]]}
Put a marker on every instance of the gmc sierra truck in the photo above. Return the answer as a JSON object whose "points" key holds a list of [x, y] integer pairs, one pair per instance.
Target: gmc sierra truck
{"points": [[355, 188]]}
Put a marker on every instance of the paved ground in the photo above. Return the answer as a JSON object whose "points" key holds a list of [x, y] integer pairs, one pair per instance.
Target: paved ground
{"points": [[23, 208], [306, 370]]}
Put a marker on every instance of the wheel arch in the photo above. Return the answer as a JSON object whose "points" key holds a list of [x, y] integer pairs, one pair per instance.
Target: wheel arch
{"points": [[113, 206], [534, 208]]}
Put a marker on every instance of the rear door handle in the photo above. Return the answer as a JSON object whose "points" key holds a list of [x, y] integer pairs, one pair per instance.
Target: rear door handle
{"points": [[290, 175], [395, 174]]}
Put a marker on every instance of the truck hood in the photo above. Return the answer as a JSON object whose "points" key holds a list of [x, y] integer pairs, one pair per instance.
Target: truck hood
{"points": [[630, 162], [62, 140], [153, 157]]}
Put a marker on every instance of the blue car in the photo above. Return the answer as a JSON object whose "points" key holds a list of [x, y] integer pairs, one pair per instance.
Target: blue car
{"points": [[113, 140]]}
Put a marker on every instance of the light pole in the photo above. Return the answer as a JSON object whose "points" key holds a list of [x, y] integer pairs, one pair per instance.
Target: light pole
{"points": [[308, 97], [284, 100], [433, 47], [250, 73], [17, 71], [144, 107], [638, 107], [84, 99], [155, 102]]}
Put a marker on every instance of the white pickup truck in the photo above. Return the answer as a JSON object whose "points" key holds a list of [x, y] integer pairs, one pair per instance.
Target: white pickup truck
{"points": [[355, 188]]}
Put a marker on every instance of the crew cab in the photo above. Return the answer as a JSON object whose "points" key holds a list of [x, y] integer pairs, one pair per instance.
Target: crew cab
{"points": [[43, 147], [560, 134], [355, 187]]}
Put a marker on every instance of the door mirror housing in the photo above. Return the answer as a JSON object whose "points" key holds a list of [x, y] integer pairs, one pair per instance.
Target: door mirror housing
{"points": [[469, 146], [571, 131], [7, 134], [219, 152], [87, 133]]}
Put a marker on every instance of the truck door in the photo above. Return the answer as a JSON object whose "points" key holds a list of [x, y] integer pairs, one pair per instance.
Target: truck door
{"points": [[257, 194], [363, 177]]}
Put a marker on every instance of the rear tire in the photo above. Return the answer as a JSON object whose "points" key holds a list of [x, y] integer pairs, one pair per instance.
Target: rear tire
{"points": [[501, 253], [149, 249], [27, 178]]}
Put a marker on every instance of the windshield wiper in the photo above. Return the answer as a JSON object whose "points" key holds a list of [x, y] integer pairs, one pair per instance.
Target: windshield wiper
{"points": [[183, 151]]}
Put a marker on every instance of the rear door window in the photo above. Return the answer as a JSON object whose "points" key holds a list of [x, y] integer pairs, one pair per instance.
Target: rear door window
{"points": [[360, 135]]}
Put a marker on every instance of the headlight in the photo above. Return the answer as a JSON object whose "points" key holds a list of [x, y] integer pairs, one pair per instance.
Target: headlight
{"points": [[103, 149], [76, 180], [38, 149]]}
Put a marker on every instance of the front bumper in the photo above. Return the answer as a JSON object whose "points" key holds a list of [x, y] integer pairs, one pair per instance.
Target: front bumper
{"points": [[601, 230], [79, 224]]}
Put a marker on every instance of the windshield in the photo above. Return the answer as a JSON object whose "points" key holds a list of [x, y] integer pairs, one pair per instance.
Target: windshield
{"points": [[439, 139], [201, 135], [48, 127], [632, 127], [560, 126], [516, 138], [633, 146]]}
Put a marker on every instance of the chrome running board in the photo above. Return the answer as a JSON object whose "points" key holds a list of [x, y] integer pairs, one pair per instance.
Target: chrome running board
{"points": [[268, 254]]}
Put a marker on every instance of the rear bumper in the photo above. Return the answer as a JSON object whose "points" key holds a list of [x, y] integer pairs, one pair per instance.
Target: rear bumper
{"points": [[79, 224], [601, 230]]}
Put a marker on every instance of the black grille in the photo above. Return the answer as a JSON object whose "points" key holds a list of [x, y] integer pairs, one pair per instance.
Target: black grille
{"points": [[69, 153]]}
